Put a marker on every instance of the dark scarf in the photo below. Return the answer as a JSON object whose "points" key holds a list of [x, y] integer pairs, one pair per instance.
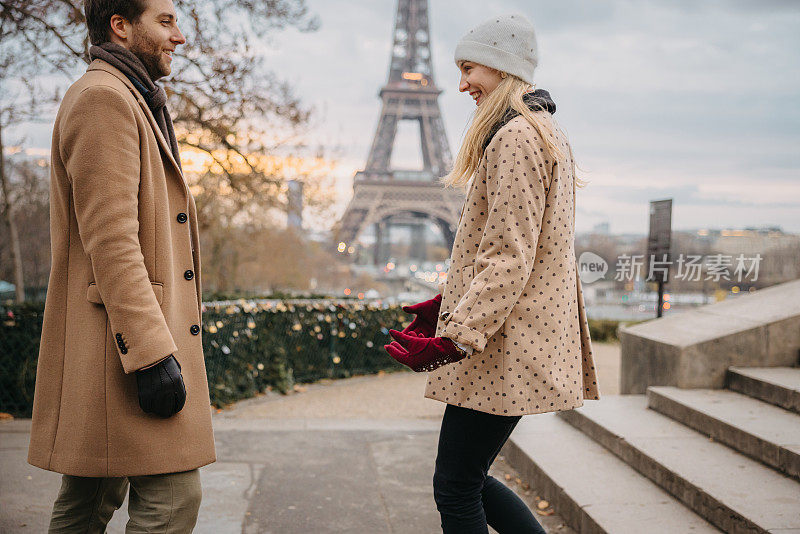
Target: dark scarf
{"points": [[537, 100], [154, 95]]}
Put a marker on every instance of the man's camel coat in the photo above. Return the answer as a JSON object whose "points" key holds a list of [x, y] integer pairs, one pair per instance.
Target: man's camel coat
{"points": [[124, 292], [512, 292]]}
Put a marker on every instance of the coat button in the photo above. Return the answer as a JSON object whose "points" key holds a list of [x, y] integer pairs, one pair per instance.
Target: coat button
{"points": [[194, 330], [189, 274], [182, 218], [444, 316]]}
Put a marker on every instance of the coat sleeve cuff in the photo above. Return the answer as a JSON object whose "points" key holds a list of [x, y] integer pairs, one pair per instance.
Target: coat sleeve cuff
{"points": [[154, 350], [464, 335]]}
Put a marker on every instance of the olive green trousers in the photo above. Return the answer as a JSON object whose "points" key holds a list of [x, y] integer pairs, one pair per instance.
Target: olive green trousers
{"points": [[165, 503]]}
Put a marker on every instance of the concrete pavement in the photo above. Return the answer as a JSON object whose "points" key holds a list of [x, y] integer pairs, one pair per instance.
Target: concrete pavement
{"points": [[352, 455]]}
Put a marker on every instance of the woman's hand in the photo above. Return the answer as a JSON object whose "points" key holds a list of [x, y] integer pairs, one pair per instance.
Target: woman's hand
{"points": [[427, 315], [422, 353]]}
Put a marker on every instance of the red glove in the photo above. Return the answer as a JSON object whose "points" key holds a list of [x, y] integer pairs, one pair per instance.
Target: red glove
{"points": [[422, 353], [427, 315]]}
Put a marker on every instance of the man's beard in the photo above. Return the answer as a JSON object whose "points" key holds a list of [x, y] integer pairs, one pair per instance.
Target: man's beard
{"points": [[150, 54]]}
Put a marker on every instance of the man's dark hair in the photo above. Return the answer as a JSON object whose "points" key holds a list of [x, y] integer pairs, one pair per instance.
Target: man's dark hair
{"points": [[99, 12]]}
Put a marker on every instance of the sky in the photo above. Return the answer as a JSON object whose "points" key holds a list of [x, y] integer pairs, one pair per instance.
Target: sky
{"points": [[695, 101]]}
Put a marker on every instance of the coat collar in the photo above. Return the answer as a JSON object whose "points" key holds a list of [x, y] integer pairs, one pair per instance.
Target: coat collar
{"points": [[538, 100], [99, 64]]}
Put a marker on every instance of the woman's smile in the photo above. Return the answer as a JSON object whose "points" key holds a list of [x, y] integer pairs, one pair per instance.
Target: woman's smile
{"points": [[478, 80]]}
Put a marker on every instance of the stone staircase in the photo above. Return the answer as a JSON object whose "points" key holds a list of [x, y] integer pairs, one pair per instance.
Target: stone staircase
{"points": [[673, 460]]}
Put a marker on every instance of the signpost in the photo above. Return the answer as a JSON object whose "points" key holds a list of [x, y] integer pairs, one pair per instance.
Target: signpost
{"points": [[658, 247]]}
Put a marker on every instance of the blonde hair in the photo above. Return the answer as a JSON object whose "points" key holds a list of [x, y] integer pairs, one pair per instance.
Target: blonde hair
{"points": [[507, 94]]}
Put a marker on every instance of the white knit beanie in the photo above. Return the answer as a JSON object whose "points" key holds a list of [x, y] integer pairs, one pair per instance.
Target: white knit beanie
{"points": [[506, 43]]}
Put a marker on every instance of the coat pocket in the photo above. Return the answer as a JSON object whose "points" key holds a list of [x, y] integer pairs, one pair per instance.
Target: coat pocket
{"points": [[93, 294]]}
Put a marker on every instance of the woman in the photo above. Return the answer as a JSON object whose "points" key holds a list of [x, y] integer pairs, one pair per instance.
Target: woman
{"points": [[508, 336]]}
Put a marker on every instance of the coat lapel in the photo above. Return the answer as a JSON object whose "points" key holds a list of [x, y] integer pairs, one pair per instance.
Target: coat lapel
{"points": [[99, 64]]}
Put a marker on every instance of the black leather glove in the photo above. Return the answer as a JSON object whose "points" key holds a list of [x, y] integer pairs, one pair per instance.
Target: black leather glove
{"points": [[161, 388]]}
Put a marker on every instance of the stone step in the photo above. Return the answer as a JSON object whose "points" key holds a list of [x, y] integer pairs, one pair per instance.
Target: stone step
{"points": [[776, 385], [593, 490], [758, 429], [730, 490]]}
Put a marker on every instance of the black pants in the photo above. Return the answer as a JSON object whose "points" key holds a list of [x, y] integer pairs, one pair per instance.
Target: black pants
{"points": [[466, 496]]}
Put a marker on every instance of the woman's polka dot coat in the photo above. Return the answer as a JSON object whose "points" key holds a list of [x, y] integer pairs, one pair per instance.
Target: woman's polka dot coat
{"points": [[512, 292]]}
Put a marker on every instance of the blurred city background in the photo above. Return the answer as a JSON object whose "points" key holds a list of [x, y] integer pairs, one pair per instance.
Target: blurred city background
{"points": [[691, 102], [312, 135]]}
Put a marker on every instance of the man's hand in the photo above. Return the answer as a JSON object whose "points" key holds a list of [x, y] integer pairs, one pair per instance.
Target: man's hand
{"points": [[161, 388], [427, 315], [422, 353]]}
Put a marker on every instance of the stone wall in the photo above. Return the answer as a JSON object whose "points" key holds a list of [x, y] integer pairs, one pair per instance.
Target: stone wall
{"points": [[693, 349]]}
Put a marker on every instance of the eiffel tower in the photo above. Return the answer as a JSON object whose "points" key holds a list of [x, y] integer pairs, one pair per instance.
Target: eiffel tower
{"points": [[384, 197]]}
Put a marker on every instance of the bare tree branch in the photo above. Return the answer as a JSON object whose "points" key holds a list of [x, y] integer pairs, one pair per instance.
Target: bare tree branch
{"points": [[225, 102]]}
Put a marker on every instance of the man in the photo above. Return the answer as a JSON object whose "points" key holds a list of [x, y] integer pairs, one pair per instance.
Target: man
{"points": [[121, 393]]}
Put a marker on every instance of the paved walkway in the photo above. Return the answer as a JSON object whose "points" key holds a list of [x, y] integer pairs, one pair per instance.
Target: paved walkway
{"points": [[350, 456]]}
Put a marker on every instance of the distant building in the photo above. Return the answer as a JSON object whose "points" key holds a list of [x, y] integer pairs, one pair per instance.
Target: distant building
{"points": [[294, 206], [746, 241], [602, 228]]}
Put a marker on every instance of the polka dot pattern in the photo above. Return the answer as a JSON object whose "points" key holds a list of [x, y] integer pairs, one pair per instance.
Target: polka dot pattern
{"points": [[513, 292]]}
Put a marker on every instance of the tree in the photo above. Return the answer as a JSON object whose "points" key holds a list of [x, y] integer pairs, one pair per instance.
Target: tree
{"points": [[225, 104], [21, 99], [239, 228], [28, 188]]}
